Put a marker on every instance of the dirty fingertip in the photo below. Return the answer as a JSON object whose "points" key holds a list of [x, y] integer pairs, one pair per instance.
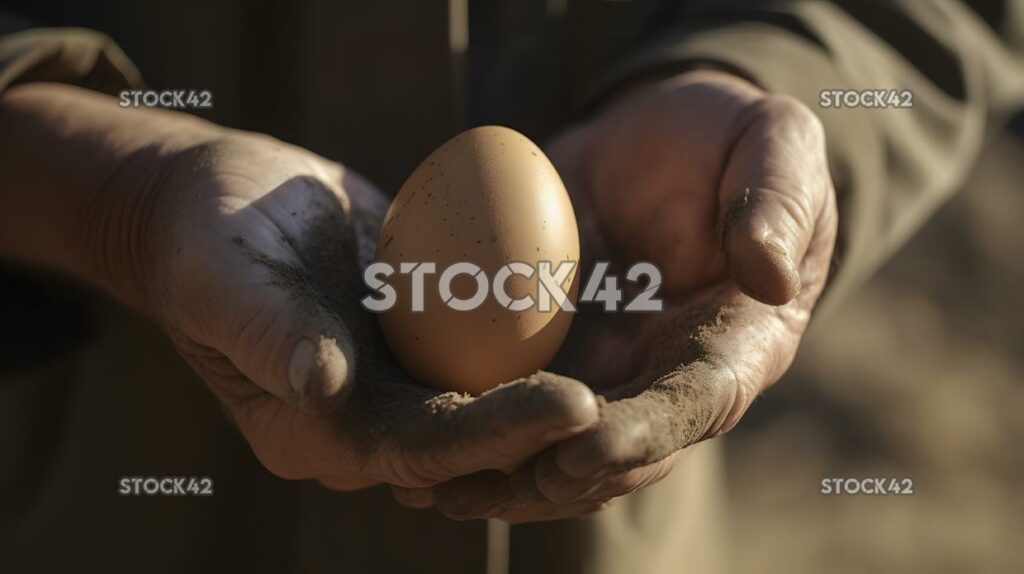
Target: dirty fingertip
{"points": [[573, 405], [319, 372], [763, 268]]}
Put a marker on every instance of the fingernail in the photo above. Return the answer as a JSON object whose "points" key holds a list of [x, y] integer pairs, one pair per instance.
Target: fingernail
{"points": [[414, 497], [784, 261], [773, 242], [301, 366], [317, 371], [775, 245]]}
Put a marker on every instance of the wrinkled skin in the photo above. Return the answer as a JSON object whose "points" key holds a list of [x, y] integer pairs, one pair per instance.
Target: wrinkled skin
{"points": [[254, 248], [248, 252], [726, 190]]}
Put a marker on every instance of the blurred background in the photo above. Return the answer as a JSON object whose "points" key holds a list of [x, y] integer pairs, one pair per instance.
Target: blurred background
{"points": [[918, 375]]}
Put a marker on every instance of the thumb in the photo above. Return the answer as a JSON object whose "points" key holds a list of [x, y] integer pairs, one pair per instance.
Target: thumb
{"points": [[245, 307], [774, 184], [308, 363], [279, 336]]}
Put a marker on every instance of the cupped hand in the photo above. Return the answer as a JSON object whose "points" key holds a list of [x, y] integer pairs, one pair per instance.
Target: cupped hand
{"points": [[726, 189], [254, 251]]}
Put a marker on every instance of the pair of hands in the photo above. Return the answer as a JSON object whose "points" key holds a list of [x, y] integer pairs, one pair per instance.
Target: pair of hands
{"points": [[254, 252]]}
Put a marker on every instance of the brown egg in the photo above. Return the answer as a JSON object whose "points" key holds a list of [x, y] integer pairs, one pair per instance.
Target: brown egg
{"points": [[489, 197]]}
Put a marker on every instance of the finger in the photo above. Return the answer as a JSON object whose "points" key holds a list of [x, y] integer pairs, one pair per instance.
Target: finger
{"points": [[453, 435], [492, 494], [545, 480], [706, 361], [622, 483], [484, 495], [253, 298], [343, 485], [284, 341], [414, 497], [774, 185], [535, 483], [409, 436], [677, 410], [546, 512], [478, 495], [489, 495]]}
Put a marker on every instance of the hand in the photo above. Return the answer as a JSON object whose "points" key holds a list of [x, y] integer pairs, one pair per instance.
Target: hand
{"points": [[260, 287], [726, 189], [247, 252]]}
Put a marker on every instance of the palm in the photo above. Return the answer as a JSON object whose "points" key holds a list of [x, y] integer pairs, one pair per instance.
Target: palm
{"points": [[726, 190], [654, 198], [660, 178], [260, 291]]}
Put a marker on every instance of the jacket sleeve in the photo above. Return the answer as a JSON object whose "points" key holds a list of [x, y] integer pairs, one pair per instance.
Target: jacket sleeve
{"points": [[892, 166], [68, 55], [50, 314]]}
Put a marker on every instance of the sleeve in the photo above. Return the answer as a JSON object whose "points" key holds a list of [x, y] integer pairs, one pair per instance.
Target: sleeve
{"points": [[893, 167], [68, 55], [50, 315]]}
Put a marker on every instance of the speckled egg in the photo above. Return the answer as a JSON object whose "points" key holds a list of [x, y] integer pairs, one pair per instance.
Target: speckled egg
{"points": [[488, 197]]}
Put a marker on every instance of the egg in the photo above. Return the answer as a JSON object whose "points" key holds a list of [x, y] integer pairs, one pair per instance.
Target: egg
{"points": [[488, 197]]}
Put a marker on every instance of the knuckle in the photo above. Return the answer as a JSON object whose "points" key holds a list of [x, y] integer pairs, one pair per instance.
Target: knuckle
{"points": [[410, 472], [790, 109], [788, 106], [789, 112]]}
